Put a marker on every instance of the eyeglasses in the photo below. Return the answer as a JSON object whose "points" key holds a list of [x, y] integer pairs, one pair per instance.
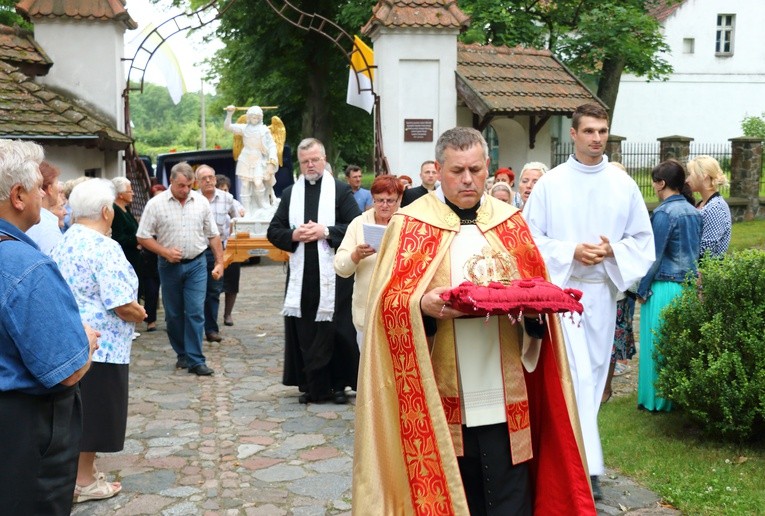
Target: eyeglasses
{"points": [[385, 201], [312, 161], [207, 178]]}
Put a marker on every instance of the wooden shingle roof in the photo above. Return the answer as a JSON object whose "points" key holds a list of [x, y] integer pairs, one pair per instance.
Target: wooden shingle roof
{"points": [[102, 10], [443, 14], [504, 81], [29, 111], [18, 48]]}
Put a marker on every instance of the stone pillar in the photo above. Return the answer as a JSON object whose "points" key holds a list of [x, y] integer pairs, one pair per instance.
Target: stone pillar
{"points": [[675, 147], [745, 171], [614, 148]]}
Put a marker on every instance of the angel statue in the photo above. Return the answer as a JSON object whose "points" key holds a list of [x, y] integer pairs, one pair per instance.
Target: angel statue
{"points": [[256, 158]]}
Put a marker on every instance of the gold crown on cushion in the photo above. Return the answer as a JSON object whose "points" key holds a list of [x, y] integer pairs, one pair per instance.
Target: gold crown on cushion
{"points": [[490, 266]]}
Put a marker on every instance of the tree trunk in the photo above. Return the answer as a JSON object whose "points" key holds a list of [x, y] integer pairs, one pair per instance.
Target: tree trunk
{"points": [[317, 120], [608, 84], [316, 117]]}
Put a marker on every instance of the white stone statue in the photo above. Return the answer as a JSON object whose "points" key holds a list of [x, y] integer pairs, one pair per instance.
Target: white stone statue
{"points": [[256, 164]]}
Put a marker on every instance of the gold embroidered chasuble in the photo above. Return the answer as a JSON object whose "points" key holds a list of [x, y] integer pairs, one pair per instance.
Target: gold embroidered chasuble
{"points": [[408, 415]]}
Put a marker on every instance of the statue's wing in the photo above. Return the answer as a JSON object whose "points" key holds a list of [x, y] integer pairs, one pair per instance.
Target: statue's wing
{"points": [[238, 140], [279, 132]]}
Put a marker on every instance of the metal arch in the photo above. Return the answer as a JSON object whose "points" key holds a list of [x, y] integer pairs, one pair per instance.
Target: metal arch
{"points": [[136, 170], [337, 35], [156, 38]]}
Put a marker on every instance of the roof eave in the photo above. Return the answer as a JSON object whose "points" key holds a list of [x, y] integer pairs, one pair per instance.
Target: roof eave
{"points": [[472, 99]]}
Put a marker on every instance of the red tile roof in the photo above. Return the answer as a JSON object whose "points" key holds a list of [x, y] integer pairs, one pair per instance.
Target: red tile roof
{"points": [[416, 13], [29, 111], [78, 9], [663, 9], [18, 48], [517, 81]]}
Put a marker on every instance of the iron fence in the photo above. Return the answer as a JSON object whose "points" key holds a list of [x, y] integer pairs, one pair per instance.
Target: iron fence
{"points": [[640, 158]]}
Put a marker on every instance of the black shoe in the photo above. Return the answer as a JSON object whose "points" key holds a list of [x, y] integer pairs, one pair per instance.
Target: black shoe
{"points": [[181, 364], [201, 370], [213, 337], [307, 397], [597, 494], [340, 398]]}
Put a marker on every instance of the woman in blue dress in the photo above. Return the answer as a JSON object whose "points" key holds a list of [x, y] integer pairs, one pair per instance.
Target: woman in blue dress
{"points": [[677, 235]]}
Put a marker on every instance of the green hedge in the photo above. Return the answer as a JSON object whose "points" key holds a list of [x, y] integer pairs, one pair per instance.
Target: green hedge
{"points": [[712, 348]]}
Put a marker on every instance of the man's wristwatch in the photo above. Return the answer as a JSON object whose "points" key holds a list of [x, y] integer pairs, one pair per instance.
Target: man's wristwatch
{"points": [[326, 232]]}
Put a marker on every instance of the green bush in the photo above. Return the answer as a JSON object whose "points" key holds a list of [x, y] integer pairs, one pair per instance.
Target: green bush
{"points": [[712, 348]]}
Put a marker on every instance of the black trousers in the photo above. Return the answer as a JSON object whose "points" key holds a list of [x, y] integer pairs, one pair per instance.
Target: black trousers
{"points": [[493, 486], [40, 442]]}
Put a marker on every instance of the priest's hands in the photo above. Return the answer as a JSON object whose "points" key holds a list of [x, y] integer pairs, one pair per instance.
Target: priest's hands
{"points": [[593, 254], [431, 304], [308, 232]]}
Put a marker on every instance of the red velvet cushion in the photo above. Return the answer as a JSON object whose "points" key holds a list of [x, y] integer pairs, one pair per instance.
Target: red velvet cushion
{"points": [[532, 295]]}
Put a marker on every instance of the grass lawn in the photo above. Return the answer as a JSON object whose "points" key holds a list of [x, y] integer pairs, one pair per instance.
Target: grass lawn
{"points": [[667, 455], [748, 235]]}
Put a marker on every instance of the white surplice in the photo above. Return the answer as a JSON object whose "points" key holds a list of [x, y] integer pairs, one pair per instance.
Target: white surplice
{"points": [[571, 204]]}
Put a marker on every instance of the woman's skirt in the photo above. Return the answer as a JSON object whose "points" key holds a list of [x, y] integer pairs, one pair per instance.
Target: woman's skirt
{"points": [[624, 336], [104, 391], [650, 320]]}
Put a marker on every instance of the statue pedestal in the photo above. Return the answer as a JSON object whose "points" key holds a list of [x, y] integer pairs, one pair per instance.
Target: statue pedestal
{"points": [[241, 247], [248, 238], [254, 227]]}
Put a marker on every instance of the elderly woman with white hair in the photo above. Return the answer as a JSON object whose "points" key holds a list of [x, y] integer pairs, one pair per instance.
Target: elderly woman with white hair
{"points": [[105, 287], [530, 174], [125, 226]]}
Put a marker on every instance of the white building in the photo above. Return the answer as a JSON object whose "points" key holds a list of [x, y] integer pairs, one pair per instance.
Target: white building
{"points": [[62, 88], [718, 57], [428, 83]]}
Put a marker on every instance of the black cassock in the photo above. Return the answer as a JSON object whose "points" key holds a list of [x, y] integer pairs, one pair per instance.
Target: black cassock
{"points": [[318, 356]]}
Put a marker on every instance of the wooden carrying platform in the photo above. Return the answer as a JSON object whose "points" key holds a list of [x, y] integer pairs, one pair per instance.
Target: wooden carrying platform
{"points": [[241, 247]]}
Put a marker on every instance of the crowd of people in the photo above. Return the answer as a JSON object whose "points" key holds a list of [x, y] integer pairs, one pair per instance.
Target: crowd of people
{"points": [[363, 310]]}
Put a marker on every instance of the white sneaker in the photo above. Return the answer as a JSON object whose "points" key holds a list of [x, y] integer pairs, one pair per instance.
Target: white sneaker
{"points": [[136, 335]]}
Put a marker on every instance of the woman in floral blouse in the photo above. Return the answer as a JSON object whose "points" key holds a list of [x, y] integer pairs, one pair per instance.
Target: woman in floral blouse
{"points": [[105, 287]]}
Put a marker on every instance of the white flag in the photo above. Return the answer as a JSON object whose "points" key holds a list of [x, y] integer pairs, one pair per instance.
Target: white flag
{"points": [[360, 77]]}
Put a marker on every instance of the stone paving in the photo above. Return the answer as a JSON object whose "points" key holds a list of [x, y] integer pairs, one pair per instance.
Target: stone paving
{"points": [[239, 442]]}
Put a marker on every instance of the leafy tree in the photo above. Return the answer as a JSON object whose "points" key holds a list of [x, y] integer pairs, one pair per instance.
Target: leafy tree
{"points": [[754, 126], [268, 61], [159, 125], [8, 15], [601, 38]]}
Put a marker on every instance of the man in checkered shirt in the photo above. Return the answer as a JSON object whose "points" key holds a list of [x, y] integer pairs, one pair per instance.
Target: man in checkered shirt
{"points": [[183, 224]]}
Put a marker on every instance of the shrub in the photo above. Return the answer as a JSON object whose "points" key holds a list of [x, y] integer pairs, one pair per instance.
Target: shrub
{"points": [[712, 348]]}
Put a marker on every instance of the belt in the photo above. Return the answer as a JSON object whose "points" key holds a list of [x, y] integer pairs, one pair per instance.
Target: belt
{"points": [[189, 260]]}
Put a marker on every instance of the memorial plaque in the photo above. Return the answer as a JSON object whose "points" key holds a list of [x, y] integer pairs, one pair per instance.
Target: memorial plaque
{"points": [[418, 129]]}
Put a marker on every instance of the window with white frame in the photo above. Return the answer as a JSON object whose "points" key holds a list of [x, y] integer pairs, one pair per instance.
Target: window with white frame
{"points": [[724, 35]]}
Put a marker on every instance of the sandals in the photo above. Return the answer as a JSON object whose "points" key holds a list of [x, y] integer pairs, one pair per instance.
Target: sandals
{"points": [[98, 490]]}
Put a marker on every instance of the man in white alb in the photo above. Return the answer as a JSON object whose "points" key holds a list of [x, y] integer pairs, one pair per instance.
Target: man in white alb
{"points": [[591, 225]]}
